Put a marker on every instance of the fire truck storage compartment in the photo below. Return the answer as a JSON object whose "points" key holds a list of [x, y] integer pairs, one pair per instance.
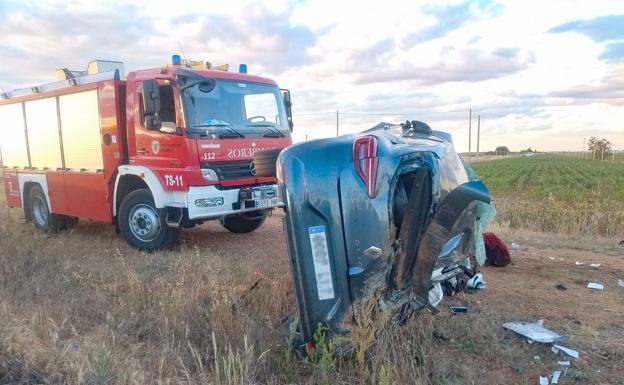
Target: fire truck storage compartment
{"points": [[60, 135]]}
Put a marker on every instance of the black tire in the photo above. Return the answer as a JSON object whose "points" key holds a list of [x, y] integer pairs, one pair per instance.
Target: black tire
{"points": [[264, 161], [143, 225], [39, 212], [244, 223]]}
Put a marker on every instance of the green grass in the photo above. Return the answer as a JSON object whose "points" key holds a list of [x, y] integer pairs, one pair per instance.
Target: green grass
{"points": [[557, 193]]}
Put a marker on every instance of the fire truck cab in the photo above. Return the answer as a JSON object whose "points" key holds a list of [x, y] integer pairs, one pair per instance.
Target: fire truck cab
{"points": [[164, 149]]}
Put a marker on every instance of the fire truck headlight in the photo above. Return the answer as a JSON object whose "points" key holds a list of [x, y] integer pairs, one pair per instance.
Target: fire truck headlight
{"points": [[209, 174]]}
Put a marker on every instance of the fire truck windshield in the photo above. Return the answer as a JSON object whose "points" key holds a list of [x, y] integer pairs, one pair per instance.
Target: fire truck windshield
{"points": [[234, 109]]}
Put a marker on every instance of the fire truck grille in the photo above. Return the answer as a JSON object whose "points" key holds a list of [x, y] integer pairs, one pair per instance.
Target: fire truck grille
{"points": [[240, 169]]}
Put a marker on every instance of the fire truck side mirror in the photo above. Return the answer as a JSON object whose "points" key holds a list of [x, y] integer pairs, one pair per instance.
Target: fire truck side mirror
{"points": [[288, 106], [151, 105]]}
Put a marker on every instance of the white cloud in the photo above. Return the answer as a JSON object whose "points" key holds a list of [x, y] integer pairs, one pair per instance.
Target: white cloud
{"points": [[371, 60]]}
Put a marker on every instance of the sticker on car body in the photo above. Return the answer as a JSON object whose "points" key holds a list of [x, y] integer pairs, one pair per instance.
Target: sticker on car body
{"points": [[322, 268]]}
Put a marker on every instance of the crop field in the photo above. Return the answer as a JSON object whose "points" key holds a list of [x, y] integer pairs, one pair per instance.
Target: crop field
{"points": [[556, 193]]}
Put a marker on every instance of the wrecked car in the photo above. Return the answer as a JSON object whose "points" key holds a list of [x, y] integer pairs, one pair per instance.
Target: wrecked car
{"points": [[389, 215]]}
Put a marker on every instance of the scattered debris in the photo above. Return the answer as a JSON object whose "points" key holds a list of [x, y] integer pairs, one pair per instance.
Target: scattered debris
{"points": [[543, 380], [536, 358], [570, 352], [516, 246], [563, 363], [561, 287], [476, 282], [458, 309], [555, 377], [621, 282], [579, 263], [595, 286], [534, 331], [551, 258], [496, 252], [595, 265]]}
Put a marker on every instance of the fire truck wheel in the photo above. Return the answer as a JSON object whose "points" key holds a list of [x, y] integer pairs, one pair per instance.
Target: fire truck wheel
{"points": [[143, 225], [264, 162], [40, 213], [244, 223]]}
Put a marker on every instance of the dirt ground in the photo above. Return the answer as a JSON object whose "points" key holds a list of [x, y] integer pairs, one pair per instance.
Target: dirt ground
{"points": [[92, 268], [525, 290]]}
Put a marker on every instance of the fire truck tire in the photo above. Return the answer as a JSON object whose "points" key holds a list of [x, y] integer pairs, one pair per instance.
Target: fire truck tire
{"points": [[244, 223], [40, 213], [264, 161], [143, 225]]}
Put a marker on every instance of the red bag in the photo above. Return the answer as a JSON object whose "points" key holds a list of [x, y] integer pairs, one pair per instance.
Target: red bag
{"points": [[496, 252]]}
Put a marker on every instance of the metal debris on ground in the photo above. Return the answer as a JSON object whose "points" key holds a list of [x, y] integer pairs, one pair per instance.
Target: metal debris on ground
{"points": [[458, 309], [579, 263], [570, 352], [563, 363], [543, 380], [595, 265], [534, 331], [595, 286]]}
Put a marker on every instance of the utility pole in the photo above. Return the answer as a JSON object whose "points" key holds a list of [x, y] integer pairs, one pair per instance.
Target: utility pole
{"points": [[602, 154], [337, 113], [470, 132], [478, 133]]}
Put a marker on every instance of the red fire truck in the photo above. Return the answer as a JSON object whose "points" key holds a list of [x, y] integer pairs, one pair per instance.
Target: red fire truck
{"points": [[164, 149]]}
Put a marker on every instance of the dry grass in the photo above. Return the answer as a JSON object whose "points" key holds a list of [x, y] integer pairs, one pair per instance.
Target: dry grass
{"points": [[84, 308]]}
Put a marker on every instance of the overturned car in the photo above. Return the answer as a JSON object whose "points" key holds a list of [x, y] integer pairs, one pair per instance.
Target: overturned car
{"points": [[390, 216]]}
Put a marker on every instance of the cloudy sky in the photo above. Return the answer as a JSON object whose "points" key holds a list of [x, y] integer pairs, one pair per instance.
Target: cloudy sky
{"points": [[544, 74]]}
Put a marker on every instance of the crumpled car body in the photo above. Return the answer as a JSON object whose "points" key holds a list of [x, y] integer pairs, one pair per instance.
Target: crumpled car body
{"points": [[389, 215]]}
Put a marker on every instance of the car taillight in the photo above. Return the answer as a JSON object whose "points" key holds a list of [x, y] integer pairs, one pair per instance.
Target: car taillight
{"points": [[365, 162]]}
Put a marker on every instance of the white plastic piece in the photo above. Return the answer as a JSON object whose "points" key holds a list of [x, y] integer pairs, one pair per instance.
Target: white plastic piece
{"points": [[563, 363], [595, 286], [579, 263], [515, 246], [555, 377], [533, 331], [476, 282], [570, 352], [543, 380], [621, 282], [595, 265]]}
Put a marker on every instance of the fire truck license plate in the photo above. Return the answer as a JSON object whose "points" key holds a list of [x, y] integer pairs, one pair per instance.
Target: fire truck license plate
{"points": [[261, 203]]}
